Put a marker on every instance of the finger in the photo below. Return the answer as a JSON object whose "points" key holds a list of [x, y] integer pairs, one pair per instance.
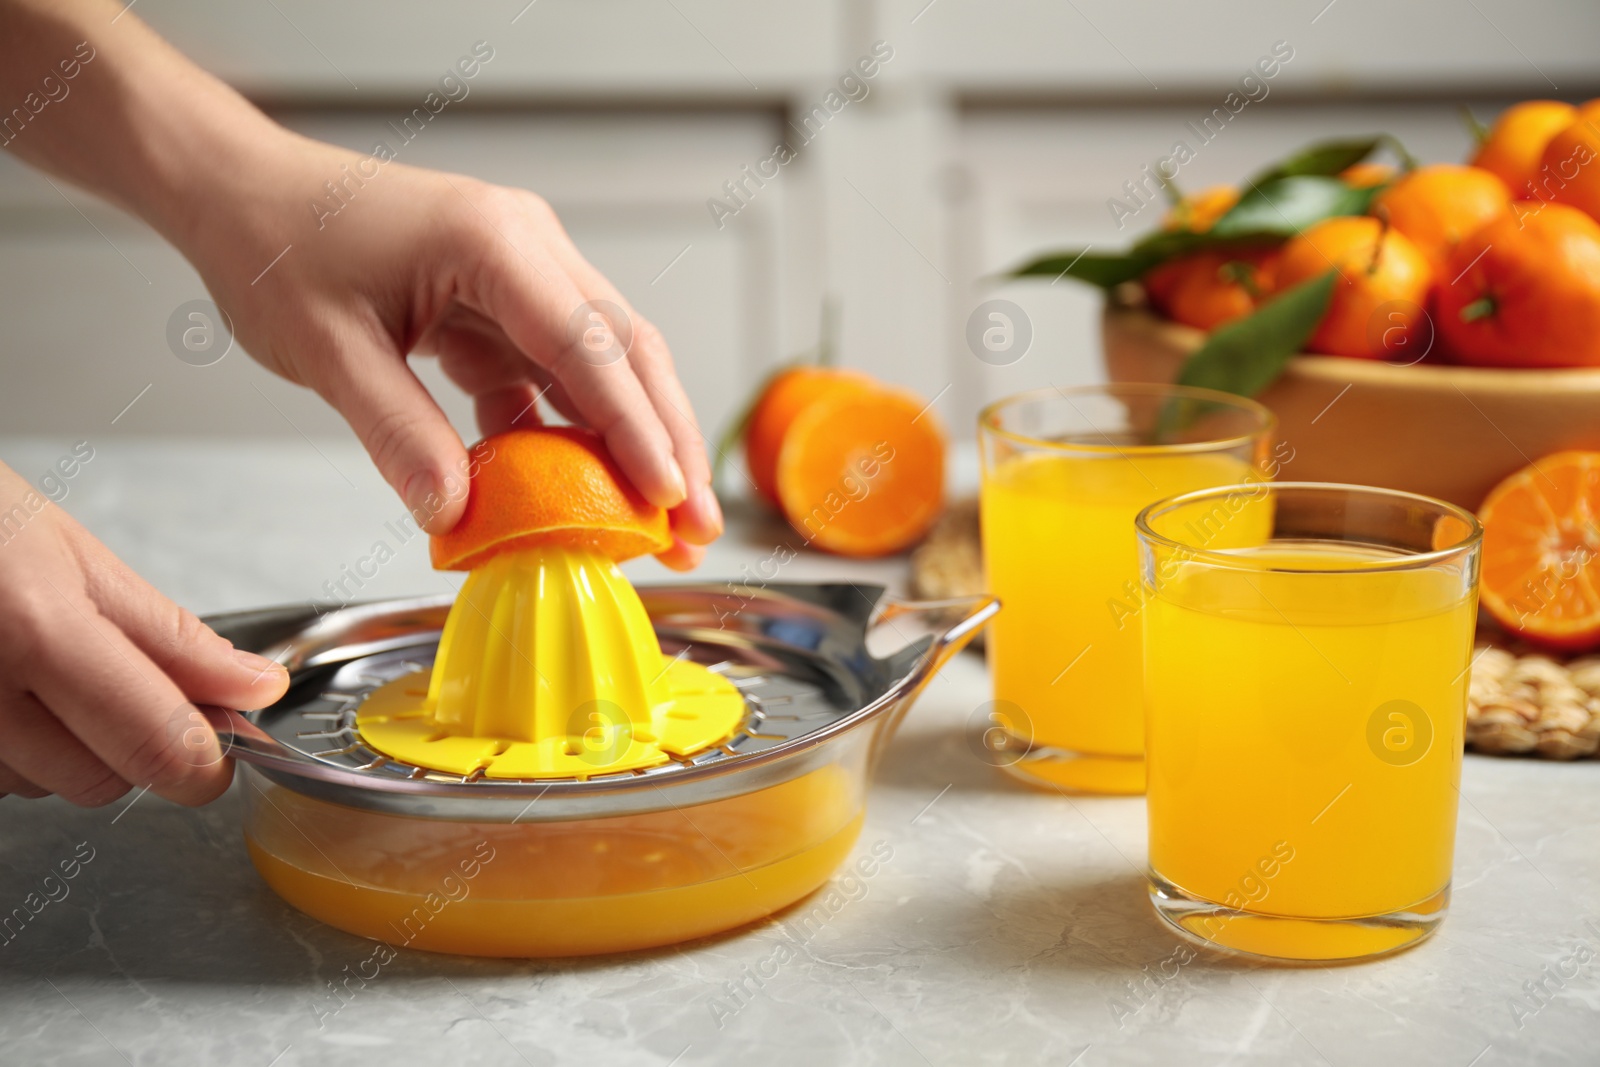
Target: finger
{"points": [[478, 356], [536, 311], [14, 784], [54, 760], [511, 408], [204, 665], [682, 556], [552, 393], [699, 518], [121, 706], [409, 439]]}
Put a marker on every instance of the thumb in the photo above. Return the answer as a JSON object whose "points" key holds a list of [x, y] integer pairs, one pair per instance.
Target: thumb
{"points": [[409, 439]]}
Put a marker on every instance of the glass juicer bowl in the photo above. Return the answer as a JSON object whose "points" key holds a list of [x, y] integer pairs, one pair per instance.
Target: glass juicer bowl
{"points": [[606, 862]]}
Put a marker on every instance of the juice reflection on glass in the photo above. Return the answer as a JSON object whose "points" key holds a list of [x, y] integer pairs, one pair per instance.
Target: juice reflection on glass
{"points": [[1064, 474], [1306, 698]]}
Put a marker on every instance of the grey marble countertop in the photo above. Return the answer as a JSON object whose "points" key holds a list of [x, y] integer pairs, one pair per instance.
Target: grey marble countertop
{"points": [[1008, 925]]}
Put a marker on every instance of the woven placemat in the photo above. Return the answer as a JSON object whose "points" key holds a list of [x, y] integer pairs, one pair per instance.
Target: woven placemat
{"points": [[1521, 701], [1526, 702]]}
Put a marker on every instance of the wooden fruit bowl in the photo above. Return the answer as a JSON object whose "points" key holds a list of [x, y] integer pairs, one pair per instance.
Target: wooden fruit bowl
{"points": [[1447, 432]]}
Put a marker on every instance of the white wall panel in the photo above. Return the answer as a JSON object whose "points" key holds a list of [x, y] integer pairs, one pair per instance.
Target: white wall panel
{"points": [[359, 49], [999, 129], [1150, 51], [85, 327]]}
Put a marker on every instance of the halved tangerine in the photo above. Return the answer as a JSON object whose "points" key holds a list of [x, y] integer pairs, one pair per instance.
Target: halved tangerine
{"points": [[1541, 551], [861, 471], [789, 392], [549, 486]]}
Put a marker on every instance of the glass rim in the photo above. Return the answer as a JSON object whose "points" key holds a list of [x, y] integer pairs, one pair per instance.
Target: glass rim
{"points": [[988, 417], [1411, 561]]}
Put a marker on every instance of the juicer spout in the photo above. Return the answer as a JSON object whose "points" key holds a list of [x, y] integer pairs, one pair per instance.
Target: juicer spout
{"points": [[952, 623]]}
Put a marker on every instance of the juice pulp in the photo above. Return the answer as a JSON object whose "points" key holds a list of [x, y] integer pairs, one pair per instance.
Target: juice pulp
{"points": [[1305, 737], [554, 889], [1061, 554]]}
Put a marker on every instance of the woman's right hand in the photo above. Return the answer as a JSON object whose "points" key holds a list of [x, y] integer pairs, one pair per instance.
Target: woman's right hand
{"points": [[100, 673]]}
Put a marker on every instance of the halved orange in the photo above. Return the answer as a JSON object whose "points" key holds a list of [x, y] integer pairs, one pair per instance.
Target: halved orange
{"points": [[861, 471], [789, 392], [553, 485], [1541, 551]]}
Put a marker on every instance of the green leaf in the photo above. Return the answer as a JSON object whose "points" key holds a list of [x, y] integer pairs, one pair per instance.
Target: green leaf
{"points": [[1105, 271], [1247, 355], [1162, 245], [1288, 205], [1109, 270], [1325, 158]]}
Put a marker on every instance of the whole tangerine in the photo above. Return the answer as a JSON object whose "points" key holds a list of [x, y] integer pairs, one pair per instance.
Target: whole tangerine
{"points": [[1524, 291], [1514, 149], [1198, 212], [1436, 206], [1378, 299], [1209, 289], [1570, 167], [1365, 175]]}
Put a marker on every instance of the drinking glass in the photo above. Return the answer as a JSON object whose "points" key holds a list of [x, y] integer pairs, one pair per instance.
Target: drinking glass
{"points": [[1305, 694], [1064, 472]]}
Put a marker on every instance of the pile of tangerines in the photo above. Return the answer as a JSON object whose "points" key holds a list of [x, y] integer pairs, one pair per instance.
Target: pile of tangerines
{"points": [[1495, 263]]}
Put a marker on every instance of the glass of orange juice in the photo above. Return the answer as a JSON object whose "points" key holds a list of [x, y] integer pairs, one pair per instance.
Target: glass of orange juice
{"points": [[1305, 692], [1064, 472]]}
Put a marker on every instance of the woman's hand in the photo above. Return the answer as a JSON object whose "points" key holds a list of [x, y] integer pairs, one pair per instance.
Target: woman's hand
{"points": [[395, 261], [484, 277], [100, 674]]}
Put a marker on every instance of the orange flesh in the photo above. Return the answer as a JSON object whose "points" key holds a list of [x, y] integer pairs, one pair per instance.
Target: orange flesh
{"points": [[1541, 551], [862, 473], [785, 397]]}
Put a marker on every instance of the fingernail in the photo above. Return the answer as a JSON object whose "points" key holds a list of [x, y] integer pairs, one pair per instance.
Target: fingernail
{"points": [[706, 502], [680, 488], [421, 494], [257, 665]]}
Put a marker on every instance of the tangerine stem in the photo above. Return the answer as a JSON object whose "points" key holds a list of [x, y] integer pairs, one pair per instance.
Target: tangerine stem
{"points": [[823, 354], [1382, 215], [1408, 162], [1479, 132]]}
